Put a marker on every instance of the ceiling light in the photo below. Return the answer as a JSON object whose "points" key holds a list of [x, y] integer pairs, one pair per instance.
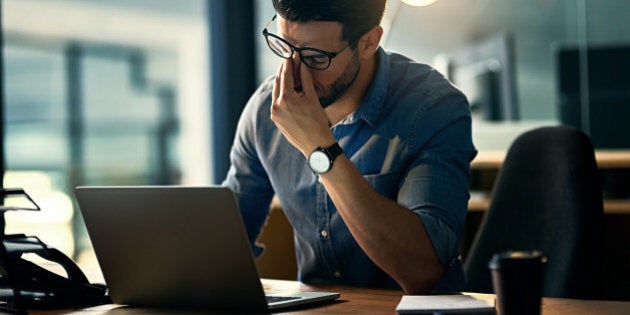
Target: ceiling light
{"points": [[419, 3]]}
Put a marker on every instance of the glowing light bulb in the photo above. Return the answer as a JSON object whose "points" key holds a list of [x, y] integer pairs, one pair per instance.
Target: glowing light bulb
{"points": [[419, 3]]}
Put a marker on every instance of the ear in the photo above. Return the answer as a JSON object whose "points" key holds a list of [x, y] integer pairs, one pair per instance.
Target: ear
{"points": [[369, 42]]}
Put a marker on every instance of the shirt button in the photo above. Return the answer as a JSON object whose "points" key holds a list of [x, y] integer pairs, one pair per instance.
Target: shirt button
{"points": [[337, 274], [324, 233]]}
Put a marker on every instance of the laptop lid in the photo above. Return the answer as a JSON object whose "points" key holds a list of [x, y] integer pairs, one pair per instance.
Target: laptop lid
{"points": [[173, 246]]}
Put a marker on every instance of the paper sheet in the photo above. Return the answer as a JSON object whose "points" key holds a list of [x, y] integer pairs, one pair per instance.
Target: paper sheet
{"points": [[436, 304]]}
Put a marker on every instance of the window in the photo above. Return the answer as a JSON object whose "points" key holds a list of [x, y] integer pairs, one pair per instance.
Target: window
{"points": [[101, 93]]}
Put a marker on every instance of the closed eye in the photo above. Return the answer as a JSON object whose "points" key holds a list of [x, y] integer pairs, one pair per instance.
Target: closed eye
{"points": [[315, 59]]}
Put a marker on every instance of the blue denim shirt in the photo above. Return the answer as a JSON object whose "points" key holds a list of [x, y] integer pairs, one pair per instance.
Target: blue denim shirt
{"points": [[410, 138]]}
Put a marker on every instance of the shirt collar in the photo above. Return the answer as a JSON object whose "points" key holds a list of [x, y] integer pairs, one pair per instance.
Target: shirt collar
{"points": [[374, 98]]}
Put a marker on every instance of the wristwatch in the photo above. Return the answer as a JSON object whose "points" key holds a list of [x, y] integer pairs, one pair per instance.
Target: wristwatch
{"points": [[321, 159]]}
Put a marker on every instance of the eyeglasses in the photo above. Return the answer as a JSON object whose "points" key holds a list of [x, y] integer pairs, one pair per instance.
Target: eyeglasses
{"points": [[313, 58]]}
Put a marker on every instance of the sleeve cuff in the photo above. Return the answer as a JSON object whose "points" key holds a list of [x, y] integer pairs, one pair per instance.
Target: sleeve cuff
{"points": [[442, 237]]}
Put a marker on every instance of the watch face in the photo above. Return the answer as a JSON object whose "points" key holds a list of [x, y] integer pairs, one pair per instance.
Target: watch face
{"points": [[319, 162]]}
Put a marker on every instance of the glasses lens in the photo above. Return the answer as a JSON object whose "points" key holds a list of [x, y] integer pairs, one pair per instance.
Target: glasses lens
{"points": [[315, 59], [279, 47]]}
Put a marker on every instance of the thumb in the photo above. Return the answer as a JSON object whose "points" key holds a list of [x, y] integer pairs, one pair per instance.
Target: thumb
{"points": [[307, 82]]}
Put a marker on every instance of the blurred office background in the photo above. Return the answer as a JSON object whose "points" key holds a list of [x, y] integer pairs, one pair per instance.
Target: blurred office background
{"points": [[101, 93], [125, 92]]}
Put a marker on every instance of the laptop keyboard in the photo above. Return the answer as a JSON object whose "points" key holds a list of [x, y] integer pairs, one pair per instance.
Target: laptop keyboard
{"points": [[274, 299]]}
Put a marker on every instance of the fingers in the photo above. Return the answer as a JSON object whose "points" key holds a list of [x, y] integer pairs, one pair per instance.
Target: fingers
{"points": [[286, 77], [285, 82], [276, 86], [307, 82], [282, 89]]}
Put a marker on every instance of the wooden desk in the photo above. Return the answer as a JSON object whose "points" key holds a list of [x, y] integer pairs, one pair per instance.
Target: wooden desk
{"points": [[360, 301]]}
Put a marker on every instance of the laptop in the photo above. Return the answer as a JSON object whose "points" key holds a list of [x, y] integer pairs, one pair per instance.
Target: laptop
{"points": [[173, 246]]}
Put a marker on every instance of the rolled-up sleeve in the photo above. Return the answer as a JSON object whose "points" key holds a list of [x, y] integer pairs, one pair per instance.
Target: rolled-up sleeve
{"points": [[247, 177], [436, 185]]}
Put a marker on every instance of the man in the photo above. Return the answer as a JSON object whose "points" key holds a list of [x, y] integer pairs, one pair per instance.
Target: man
{"points": [[368, 152]]}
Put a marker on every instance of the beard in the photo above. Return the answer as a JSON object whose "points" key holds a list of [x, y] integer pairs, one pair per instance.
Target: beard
{"points": [[338, 88]]}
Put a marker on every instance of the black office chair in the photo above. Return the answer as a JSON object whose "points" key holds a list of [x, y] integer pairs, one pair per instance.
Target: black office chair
{"points": [[547, 196]]}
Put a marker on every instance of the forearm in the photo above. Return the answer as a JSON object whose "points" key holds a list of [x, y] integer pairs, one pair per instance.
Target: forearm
{"points": [[390, 234]]}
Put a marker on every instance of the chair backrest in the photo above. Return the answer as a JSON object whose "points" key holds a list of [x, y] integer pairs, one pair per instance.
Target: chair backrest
{"points": [[547, 196]]}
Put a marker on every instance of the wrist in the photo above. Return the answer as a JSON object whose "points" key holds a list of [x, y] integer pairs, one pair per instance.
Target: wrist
{"points": [[318, 142], [321, 159]]}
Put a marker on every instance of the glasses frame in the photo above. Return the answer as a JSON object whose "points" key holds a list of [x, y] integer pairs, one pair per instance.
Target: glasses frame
{"points": [[299, 50]]}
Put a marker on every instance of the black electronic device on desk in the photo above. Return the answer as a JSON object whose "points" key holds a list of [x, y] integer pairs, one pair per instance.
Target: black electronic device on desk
{"points": [[593, 89], [25, 285]]}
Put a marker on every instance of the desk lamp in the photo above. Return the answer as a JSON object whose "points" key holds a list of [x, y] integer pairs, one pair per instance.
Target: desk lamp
{"points": [[25, 285]]}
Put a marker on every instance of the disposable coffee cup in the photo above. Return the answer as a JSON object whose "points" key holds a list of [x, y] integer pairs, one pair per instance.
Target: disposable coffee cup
{"points": [[517, 280]]}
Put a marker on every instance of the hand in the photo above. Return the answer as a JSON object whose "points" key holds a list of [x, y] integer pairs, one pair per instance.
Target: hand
{"points": [[299, 115]]}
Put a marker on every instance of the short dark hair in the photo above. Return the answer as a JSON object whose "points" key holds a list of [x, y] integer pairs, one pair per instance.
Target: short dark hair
{"points": [[356, 16]]}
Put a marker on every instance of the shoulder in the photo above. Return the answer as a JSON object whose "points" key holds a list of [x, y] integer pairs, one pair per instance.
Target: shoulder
{"points": [[257, 109], [254, 120], [422, 96], [419, 84], [419, 90], [261, 98]]}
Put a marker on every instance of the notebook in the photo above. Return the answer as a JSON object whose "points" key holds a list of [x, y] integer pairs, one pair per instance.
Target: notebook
{"points": [[446, 304], [173, 246]]}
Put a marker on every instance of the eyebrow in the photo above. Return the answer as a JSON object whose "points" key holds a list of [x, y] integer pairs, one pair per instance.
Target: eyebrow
{"points": [[292, 40], [295, 42]]}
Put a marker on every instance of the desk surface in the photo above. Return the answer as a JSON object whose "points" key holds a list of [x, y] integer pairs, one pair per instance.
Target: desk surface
{"points": [[363, 301]]}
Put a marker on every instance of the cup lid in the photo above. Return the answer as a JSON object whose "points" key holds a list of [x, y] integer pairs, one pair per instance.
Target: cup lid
{"points": [[512, 259]]}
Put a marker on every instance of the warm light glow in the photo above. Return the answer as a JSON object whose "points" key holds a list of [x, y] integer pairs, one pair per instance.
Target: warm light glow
{"points": [[419, 3]]}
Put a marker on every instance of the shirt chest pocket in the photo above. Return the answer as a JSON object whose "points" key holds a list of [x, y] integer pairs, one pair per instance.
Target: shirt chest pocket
{"points": [[385, 184]]}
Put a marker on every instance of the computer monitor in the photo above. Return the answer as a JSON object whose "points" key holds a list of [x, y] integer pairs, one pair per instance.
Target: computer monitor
{"points": [[485, 71], [593, 89]]}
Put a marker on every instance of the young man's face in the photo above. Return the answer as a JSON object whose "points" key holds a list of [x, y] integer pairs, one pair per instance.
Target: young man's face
{"points": [[332, 82]]}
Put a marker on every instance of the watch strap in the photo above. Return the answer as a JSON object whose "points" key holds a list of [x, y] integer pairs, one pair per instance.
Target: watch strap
{"points": [[333, 151]]}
